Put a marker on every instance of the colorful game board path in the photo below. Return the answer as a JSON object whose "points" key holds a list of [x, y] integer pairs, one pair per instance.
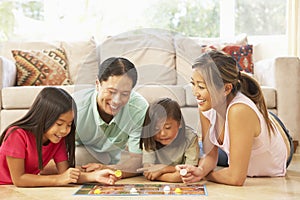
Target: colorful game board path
{"points": [[142, 189]]}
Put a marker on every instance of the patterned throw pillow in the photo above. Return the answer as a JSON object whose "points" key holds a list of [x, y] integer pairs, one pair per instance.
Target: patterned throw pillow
{"points": [[45, 67], [243, 56]]}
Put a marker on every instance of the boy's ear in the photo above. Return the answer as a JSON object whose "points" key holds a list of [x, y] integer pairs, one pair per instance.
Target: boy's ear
{"points": [[227, 88]]}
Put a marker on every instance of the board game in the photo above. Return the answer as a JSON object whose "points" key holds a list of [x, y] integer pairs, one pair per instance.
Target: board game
{"points": [[142, 189]]}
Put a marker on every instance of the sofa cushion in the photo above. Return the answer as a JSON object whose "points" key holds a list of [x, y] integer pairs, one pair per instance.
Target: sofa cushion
{"points": [[154, 92], [83, 60], [189, 48], [151, 51], [45, 67], [243, 56], [23, 97], [6, 47]]}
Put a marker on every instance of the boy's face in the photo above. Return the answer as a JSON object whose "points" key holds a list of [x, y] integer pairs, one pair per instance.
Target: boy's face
{"points": [[113, 94], [166, 131]]}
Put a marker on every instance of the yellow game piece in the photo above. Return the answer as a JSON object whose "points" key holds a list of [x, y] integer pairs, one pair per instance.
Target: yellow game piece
{"points": [[178, 191], [97, 191], [118, 173]]}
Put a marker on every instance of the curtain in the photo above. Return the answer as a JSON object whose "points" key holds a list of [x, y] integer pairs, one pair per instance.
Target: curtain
{"points": [[293, 31]]}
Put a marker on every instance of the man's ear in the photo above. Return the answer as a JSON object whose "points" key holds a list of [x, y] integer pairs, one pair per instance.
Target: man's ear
{"points": [[227, 88], [97, 84]]}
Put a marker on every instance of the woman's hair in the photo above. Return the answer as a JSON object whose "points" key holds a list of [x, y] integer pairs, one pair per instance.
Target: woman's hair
{"points": [[50, 103], [161, 109], [117, 66], [218, 68]]}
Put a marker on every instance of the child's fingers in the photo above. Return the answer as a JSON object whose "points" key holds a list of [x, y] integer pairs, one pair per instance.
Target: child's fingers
{"points": [[179, 167]]}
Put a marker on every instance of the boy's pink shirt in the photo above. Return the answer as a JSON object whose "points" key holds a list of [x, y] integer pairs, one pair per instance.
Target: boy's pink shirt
{"points": [[21, 144]]}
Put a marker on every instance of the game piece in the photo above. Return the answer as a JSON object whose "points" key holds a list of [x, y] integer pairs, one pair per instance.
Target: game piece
{"points": [[118, 173], [167, 189], [178, 191], [97, 191], [183, 172], [133, 191]]}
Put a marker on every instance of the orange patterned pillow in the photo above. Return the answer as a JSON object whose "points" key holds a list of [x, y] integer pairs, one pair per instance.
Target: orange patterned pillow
{"points": [[45, 67]]}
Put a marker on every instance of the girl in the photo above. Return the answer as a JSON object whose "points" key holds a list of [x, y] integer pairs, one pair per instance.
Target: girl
{"points": [[234, 118], [166, 142], [46, 132]]}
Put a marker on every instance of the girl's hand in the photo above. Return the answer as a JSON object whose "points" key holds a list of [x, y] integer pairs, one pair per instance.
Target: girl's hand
{"points": [[194, 174], [152, 175], [106, 176], [71, 175], [152, 172], [91, 167]]}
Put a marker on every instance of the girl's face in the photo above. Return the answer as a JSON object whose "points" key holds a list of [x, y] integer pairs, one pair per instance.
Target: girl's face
{"points": [[114, 93], [200, 91], [61, 128], [166, 131]]}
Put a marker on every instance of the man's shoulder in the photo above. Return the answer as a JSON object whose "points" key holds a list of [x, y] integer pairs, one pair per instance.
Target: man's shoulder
{"points": [[137, 101], [83, 97]]}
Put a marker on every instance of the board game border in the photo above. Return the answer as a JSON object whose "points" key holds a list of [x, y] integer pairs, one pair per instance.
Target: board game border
{"points": [[112, 195]]}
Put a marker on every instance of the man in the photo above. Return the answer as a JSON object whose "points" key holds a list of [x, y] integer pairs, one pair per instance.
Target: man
{"points": [[110, 119]]}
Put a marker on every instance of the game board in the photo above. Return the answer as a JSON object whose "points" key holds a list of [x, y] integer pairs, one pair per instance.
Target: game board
{"points": [[142, 189]]}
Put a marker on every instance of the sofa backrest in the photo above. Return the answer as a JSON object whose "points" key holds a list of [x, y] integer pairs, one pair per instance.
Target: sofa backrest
{"points": [[151, 50]]}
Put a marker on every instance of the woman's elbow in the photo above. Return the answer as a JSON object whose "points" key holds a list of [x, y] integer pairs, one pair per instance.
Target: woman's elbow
{"points": [[238, 181]]}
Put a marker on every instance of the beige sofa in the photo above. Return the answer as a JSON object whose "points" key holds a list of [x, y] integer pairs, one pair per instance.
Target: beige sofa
{"points": [[163, 60]]}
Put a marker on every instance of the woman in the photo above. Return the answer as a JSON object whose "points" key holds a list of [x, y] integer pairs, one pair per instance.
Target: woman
{"points": [[234, 118]]}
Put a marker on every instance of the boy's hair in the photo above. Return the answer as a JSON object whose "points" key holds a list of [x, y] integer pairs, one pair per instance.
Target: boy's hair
{"points": [[218, 68], [50, 103], [117, 66], [161, 109]]}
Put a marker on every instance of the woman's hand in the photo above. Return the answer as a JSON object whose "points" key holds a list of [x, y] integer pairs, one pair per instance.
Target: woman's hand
{"points": [[194, 174]]}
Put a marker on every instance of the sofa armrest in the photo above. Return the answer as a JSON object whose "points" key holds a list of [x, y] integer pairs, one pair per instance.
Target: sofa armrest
{"points": [[8, 74], [283, 73]]}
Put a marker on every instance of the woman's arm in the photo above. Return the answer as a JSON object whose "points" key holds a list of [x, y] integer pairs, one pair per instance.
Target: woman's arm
{"points": [[22, 179], [243, 126]]}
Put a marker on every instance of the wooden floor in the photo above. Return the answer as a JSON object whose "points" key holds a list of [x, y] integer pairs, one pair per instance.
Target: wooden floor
{"points": [[255, 188]]}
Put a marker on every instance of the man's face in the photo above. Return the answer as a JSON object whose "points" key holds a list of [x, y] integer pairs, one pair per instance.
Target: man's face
{"points": [[113, 94]]}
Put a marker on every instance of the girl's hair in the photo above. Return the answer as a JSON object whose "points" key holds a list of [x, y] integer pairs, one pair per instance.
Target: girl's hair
{"points": [[50, 103], [161, 109], [218, 68], [117, 66]]}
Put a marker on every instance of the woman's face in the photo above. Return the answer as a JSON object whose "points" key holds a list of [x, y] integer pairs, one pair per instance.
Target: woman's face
{"points": [[113, 94], [200, 91], [61, 128], [166, 131]]}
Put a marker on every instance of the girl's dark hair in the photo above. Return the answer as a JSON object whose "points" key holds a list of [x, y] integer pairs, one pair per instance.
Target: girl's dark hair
{"points": [[218, 68], [161, 109], [50, 103], [117, 66]]}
